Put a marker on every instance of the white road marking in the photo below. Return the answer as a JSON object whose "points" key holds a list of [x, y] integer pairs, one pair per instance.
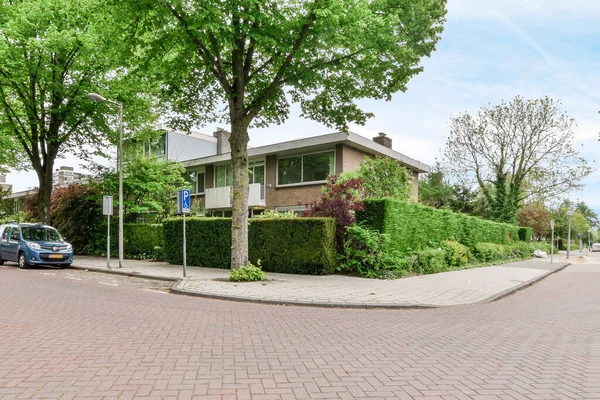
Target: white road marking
{"points": [[109, 284], [72, 277], [154, 291], [48, 273]]}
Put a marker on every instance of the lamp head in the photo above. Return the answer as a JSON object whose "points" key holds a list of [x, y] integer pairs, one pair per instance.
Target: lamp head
{"points": [[96, 97]]}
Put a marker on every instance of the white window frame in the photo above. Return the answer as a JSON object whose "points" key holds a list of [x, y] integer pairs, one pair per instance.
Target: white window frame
{"points": [[258, 162], [198, 170], [301, 155]]}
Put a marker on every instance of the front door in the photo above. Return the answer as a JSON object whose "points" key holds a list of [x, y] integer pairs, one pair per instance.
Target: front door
{"points": [[12, 247]]}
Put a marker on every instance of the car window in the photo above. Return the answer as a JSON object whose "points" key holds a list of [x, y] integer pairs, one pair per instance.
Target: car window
{"points": [[5, 234], [40, 234], [15, 235]]}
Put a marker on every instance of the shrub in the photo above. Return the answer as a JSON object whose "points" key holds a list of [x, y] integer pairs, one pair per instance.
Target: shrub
{"points": [[275, 214], [543, 246], [248, 273], [457, 255], [486, 252], [139, 240], [363, 252], [339, 200], [288, 245], [431, 261], [383, 177], [412, 226]]}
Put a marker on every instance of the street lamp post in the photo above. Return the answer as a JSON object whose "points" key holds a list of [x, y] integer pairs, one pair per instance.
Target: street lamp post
{"points": [[97, 98], [570, 214]]}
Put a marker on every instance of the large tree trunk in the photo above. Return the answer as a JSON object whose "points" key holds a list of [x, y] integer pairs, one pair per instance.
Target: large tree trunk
{"points": [[239, 221], [45, 191]]}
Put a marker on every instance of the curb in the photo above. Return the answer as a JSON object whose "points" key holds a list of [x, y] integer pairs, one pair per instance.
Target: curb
{"points": [[513, 290], [176, 289], [124, 273]]}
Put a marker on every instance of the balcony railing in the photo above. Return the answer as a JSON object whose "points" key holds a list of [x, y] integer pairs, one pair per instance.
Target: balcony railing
{"points": [[221, 197]]}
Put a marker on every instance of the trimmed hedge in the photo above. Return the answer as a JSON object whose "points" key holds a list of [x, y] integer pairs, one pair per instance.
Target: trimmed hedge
{"points": [[140, 240], [413, 227], [288, 245], [525, 234]]}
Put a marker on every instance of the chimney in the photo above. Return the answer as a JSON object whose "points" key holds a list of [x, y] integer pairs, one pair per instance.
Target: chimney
{"points": [[223, 145], [383, 140]]}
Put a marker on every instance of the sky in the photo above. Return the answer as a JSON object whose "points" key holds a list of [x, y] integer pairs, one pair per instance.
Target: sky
{"points": [[491, 50]]}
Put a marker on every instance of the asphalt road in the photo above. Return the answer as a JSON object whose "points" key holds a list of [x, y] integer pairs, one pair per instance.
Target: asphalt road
{"points": [[73, 334]]}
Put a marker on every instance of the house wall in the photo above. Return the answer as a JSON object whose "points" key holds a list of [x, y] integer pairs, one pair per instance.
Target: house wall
{"points": [[181, 147]]}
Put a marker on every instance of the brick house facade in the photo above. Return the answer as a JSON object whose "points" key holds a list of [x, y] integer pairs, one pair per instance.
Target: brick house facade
{"points": [[283, 175]]}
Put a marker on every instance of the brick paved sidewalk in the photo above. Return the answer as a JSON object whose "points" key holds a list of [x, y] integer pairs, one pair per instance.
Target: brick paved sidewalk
{"points": [[471, 286]]}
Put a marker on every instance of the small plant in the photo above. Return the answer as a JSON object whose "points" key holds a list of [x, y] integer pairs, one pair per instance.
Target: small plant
{"points": [[275, 214], [248, 273], [457, 255]]}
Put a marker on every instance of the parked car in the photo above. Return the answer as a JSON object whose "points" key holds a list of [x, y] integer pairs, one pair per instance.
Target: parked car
{"points": [[595, 247], [34, 244]]}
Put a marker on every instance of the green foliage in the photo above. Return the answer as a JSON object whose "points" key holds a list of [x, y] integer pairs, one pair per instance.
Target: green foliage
{"points": [[412, 227], [275, 214], [486, 252], [52, 53], [535, 216], [457, 255], [431, 261], [363, 252], [383, 177], [524, 148], [149, 185], [248, 273], [140, 241], [525, 234], [288, 245]]}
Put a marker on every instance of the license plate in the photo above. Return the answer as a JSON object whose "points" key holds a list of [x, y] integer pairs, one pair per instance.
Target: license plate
{"points": [[56, 256]]}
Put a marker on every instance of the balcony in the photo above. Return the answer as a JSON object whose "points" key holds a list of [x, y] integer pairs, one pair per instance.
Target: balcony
{"points": [[220, 197]]}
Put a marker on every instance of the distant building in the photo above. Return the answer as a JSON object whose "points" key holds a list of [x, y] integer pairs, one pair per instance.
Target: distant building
{"points": [[65, 176], [3, 184]]}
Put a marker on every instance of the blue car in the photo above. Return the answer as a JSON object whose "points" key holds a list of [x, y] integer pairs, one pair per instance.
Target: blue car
{"points": [[33, 244]]}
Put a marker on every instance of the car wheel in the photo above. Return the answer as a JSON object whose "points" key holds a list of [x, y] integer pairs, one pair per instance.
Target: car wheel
{"points": [[65, 265], [1, 261], [23, 261]]}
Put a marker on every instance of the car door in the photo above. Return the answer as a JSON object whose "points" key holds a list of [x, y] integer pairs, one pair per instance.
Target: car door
{"points": [[4, 231], [12, 246]]}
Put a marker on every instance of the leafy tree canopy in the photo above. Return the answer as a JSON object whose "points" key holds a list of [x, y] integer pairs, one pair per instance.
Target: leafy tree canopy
{"points": [[245, 62], [520, 149], [52, 53]]}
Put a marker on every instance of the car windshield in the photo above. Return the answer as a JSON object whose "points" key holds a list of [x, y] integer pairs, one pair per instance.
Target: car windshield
{"points": [[41, 234]]}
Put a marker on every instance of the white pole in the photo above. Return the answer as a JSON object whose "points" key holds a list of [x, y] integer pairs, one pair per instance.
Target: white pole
{"points": [[569, 240], [184, 249], [552, 246], [108, 244], [120, 185]]}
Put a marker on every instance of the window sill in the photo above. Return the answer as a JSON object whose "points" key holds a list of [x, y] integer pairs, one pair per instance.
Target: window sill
{"points": [[314, 183]]}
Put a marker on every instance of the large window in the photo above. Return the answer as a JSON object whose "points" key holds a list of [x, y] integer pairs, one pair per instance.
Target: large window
{"points": [[307, 168], [256, 173], [195, 178], [224, 175]]}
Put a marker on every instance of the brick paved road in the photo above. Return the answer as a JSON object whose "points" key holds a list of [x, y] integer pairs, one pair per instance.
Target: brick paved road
{"points": [[67, 338]]}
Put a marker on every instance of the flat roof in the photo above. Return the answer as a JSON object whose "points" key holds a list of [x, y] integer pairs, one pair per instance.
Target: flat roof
{"points": [[351, 139]]}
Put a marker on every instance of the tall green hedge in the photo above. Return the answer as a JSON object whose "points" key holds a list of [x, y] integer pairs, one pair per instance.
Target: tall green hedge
{"points": [[139, 240], [413, 227], [525, 234], [288, 245]]}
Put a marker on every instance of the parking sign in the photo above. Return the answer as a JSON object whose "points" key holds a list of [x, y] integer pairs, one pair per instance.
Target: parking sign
{"points": [[184, 201]]}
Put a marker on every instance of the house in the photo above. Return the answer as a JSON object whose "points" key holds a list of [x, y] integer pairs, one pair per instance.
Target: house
{"points": [[283, 175]]}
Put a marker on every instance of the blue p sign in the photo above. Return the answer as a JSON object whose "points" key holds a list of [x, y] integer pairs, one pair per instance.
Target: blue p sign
{"points": [[185, 201]]}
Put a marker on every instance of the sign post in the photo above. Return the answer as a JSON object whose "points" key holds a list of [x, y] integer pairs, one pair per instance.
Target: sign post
{"points": [[552, 245], [107, 209], [184, 201]]}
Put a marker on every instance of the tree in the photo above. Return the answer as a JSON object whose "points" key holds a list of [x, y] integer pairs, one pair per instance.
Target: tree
{"points": [[149, 185], [244, 62], [433, 191], [579, 223], [588, 213], [52, 53], [339, 200], [522, 149], [381, 177], [537, 217]]}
